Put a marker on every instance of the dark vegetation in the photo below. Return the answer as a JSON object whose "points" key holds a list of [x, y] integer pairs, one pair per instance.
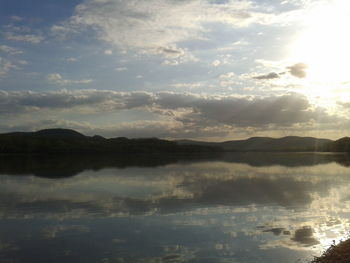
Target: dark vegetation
{"points": [[335, 254], [285, 144], [266, 144], [70, 141]]}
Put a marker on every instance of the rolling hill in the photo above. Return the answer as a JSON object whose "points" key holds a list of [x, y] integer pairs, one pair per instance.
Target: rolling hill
{"points": [[267, 144], [70, 141]]}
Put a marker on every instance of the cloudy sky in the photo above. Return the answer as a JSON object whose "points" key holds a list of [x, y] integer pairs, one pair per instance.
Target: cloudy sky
{"points": [[201, 69]]}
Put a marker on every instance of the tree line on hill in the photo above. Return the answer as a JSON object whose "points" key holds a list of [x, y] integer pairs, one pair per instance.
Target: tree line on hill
{"points": [[70, 141]]}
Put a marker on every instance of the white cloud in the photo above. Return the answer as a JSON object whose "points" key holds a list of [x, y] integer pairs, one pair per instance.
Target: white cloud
{"points": [[23, 62], [189, 85], [71, 59], [153, 25], [176, 56], [10, 50], [34, 39], [121, 69], [216, 63], [16, 18], [108, 52], [227, 75], [5, 66], [58, 79], [62, 31]]}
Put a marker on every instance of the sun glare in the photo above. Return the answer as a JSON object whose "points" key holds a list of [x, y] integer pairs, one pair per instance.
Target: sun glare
{"points": [[325, 42]]}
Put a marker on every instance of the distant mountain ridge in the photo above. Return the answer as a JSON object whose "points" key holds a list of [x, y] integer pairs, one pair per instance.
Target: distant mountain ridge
{"points": [[265, 144], [66, 140]]}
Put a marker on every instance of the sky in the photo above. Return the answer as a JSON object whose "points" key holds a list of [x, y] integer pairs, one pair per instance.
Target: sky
{"points": [[197, 69]]}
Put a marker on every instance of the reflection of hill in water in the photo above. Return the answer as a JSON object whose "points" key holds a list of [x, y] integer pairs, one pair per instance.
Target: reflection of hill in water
{"points": [[56, 166]]}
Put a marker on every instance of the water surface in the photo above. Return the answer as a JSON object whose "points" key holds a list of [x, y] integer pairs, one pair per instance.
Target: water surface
{"points": [[278, 207]]}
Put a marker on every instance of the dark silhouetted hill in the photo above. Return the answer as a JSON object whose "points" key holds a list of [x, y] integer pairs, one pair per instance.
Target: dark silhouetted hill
{"points": [[70, 141], [341, 145], [266, 144], [58, 133]]}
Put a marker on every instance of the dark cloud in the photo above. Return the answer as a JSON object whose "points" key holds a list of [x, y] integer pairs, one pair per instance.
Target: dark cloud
{"points": [[171, 52], [96, 100], [276, 230], [305, 237], [182, 114], [298, 70], [245, 112], [272, 75]]}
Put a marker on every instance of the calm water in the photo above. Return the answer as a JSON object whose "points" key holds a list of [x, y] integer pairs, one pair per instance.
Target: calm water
{"points": [[231, 208]]}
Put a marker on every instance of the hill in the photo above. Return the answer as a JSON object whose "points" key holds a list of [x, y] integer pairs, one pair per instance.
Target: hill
{"points": [[341, 145], [70, 141], [58, 133], [266, 144]]}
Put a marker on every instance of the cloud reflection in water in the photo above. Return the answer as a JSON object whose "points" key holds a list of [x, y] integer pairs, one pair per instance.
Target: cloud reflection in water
{"points": [[210, 209]]}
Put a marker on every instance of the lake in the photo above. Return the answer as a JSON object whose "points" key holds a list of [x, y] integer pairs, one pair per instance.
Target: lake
{"points": [[219, 208]]}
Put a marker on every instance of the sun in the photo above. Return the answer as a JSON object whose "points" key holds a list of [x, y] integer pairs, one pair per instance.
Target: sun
{"points": [[324, 43]]}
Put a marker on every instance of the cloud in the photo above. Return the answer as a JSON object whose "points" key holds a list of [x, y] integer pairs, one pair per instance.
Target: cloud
{"points": [[175, 56], [170, 115], [91, 100], [283, 110], [193, 111], [10, 50], [277, 231], [108, 52], [71, 59], [153, 25], [172, 52], [121, 68], [298, 70], [34, 39], [58, 79], [305, 236], [344, 104], [5, 66], [227, 75], [216, 63], [16, 18], [160, 129], [272, 75]]}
